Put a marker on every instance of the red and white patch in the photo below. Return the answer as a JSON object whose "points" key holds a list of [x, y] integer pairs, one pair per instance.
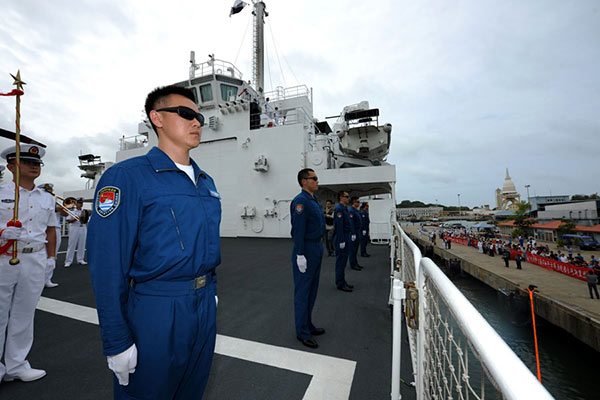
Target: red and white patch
{"points": [[299, 208], [107, 200], [339, 215]]}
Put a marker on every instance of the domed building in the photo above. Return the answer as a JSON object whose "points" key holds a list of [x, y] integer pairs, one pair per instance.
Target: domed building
{"points": [[507, 198]]}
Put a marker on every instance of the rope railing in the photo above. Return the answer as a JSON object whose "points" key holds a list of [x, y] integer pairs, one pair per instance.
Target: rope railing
{"points": [[455, 353]]}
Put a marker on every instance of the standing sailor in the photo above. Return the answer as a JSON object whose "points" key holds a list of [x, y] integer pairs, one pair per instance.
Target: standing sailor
{"points": [[329, 228], [153, 248], [342, 234], [308, 227], [77, 235], [49, 188], [356, 226], [21, 285], [364, 237]]}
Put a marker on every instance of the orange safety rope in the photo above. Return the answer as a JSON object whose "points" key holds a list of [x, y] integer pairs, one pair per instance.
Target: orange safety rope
{"points": [[531, 290]]}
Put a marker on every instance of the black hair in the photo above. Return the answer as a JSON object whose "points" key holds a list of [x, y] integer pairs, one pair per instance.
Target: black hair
{"points": [[159, 94], [328, 201], [303, 174], [340, 194], [353, 199]]}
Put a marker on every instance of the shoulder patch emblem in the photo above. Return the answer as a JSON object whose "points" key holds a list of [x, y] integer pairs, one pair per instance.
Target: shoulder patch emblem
{"points": [[339, 215], [351, 215], [299, 208], [107, 200]]}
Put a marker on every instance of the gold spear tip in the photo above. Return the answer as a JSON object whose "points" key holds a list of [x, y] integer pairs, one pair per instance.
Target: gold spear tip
{"points": [[18, 80]]}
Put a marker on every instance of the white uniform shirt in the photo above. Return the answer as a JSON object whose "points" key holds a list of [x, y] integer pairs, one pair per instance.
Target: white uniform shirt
{"points": [[36, 211], [76, 212]]}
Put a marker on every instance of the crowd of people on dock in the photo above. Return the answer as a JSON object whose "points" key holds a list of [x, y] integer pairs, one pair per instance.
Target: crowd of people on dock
{"points": [[518, 249]]}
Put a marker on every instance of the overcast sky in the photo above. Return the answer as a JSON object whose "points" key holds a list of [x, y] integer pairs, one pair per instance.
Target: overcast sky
{"points": [[470, 87]]}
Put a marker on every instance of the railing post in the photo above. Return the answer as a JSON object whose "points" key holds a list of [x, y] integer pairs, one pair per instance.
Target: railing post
{"points": [[420, 383], [397, 295]]}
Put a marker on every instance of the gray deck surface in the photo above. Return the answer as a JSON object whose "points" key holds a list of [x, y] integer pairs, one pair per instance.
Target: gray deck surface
{"points": [[256, 304]]}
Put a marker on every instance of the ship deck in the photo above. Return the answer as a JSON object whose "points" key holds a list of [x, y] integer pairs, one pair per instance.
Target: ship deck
{"points": [[257, 354]]}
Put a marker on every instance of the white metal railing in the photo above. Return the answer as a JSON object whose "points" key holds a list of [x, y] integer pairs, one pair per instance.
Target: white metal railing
{"points": [[281, 93], [133, 142], [455, 353], [214, 67]]}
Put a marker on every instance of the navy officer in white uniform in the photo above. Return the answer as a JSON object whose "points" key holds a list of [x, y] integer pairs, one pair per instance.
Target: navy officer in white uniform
{"points": [[21, 285]]}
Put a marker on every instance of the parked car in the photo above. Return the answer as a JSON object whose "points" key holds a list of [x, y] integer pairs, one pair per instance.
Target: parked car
{"points": [[584, 242]]}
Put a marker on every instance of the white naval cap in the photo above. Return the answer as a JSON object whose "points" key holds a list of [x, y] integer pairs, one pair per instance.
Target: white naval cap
{"points": [[29, 152], [46, 186]]}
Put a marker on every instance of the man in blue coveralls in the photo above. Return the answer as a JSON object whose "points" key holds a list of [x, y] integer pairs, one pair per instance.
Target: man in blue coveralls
{"points": [[355, 222], [342, 236], [153, 246], [364, 234], [308, 227]]}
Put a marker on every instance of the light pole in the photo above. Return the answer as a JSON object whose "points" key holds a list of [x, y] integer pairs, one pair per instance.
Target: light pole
{"points": [[459, 213], [527, 187]]}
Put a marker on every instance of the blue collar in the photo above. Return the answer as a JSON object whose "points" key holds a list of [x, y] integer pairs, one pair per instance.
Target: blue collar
{"points": [[310, 196], [160, 161]]}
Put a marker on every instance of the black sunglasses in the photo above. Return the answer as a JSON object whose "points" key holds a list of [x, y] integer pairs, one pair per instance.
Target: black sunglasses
{"points": [[185, 112], [314, 178]]}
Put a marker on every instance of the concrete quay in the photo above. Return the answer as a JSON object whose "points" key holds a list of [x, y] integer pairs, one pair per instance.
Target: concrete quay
{"points": [[562, 300]]}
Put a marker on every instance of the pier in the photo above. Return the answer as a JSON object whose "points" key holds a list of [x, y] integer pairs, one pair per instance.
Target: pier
{"points": [[562, 300]]}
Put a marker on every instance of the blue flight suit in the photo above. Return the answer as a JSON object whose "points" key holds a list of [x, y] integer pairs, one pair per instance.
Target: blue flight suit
{"points": [[355, 222], [308, 227], [364, 239], [153, 246], [343, 230]]}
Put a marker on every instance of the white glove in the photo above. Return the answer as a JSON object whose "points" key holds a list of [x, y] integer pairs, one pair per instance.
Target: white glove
{"points": [[301, 261], [342, 245], [12, 233], [216, 300], [123, 364], [50, 264], [353, 238], [364, 233]]}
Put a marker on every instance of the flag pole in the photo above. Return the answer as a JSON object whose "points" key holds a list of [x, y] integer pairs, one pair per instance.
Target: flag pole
{"points": [[15, 221]]}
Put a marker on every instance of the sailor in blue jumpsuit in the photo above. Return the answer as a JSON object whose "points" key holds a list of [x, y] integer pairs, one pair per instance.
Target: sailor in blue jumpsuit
{"points": [[308, 227], [364, 234], [153, 246], [355, 222], [343, 231]]}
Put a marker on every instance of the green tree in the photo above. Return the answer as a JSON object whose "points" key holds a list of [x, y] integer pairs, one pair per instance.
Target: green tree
{"points": [[576, 197], [521, 216], [567, 227]]}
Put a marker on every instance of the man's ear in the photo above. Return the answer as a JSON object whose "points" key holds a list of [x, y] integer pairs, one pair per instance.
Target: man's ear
{"points": [[156, 118], [10, 167]]}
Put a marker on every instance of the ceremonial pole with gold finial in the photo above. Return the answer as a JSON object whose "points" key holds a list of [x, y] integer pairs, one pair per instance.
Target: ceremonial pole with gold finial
{"points": [[15, 221]]}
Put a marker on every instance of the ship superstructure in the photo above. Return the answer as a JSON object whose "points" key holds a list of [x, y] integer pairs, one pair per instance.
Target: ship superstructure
{"points": [[254, 143]]}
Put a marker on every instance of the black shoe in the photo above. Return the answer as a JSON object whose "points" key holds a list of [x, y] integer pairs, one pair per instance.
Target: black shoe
{"points": [[365, 255], [318, 331], [345, 288], [310, 342], [356, 268], [349, 285]]}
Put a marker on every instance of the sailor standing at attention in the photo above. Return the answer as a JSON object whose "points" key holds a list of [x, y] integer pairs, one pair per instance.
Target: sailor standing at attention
{"points": [[308, 227], [364, 234], [343, 231], [49, 188], [21, 285], [153, 246], [77, 235], [356, 226]]}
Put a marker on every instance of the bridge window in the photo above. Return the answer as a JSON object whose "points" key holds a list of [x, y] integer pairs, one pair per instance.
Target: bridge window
{"points": [[206, 93], [228, 91]]}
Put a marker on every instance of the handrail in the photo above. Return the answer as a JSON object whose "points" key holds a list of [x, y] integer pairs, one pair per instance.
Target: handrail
{"points": [[514, 379], [507, 372]]}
